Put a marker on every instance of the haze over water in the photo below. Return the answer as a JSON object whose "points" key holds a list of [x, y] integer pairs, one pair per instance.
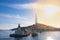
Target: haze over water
{"points": [[49, 35]]}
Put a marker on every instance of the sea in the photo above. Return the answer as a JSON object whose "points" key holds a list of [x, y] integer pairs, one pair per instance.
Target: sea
{"points": [[48, 35]]}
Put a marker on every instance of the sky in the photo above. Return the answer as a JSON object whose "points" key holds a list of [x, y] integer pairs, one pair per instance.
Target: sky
{"points": [[49, 12], [14, 12]]}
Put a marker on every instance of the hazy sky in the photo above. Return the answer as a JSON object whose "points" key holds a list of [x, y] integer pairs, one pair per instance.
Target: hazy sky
{"points": [[49, 12], [13, 12]]}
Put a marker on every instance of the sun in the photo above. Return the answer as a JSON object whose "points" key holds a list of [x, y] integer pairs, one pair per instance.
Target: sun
{"points": [[50, 11], [46, 14]]}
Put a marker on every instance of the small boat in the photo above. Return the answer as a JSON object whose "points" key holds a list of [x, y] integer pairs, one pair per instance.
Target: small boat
{"points": [[20, 33], [27, 33]]}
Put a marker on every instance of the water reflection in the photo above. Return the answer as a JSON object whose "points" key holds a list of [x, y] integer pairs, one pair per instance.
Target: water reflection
{"points": [[18, 38], [39, 37], [27, 38], [35, 38], [49, 38], [52, 35]]}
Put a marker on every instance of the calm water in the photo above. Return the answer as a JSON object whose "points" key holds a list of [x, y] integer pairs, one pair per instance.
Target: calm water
{"points": [[4, 35]]}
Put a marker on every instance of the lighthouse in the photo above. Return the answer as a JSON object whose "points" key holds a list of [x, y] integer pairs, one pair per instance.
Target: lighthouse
{"points": [[34, 32]]}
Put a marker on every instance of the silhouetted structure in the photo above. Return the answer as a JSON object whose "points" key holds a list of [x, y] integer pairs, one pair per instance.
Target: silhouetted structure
{"points": [[19, 32], [34, 30]]}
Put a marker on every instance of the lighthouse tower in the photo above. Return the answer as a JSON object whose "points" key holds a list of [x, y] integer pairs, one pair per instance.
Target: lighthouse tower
{"points": [[34, 32], [35, 19]]}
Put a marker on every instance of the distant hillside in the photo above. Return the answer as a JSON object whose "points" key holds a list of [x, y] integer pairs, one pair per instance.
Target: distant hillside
{"points": [[39, 26], [43, 26]]}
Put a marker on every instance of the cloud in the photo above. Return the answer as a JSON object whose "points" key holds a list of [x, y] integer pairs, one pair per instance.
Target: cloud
{"points": [[12, 16], [23, 6], [13, 20], [16, 19], [8, 26], [15, 25]]}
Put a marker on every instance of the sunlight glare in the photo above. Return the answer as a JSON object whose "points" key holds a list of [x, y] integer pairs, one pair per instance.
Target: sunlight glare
{"points": [[50, 11], [49, 38]]}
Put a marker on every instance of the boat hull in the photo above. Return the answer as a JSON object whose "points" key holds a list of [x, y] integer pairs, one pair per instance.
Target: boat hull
{"points": [[27, 33], [15, 35], [33, 35]]}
